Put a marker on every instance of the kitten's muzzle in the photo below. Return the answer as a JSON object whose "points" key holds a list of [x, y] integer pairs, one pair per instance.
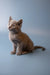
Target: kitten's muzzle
{"points": [[9, 27]]}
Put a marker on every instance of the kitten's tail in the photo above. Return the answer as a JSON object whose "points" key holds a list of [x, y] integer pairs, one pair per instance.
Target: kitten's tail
{"points": [[36, 47]]}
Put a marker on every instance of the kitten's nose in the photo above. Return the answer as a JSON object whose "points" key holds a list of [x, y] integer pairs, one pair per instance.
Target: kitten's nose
{"points": [[9, 26]]}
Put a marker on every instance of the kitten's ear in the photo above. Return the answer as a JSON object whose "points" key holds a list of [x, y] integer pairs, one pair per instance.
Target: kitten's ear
{"points": [[10, 18], [20, 21]]}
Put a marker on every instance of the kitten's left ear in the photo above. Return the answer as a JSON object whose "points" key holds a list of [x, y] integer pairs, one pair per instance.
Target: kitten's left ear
{"points": [[20, 21]]}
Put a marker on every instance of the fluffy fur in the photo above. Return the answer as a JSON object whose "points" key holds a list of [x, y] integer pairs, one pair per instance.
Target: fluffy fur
{"points": [[20, 40]]}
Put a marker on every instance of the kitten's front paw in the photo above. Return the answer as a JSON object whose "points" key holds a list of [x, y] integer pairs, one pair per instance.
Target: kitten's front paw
{"points": [[13, 52], [18, 53]]}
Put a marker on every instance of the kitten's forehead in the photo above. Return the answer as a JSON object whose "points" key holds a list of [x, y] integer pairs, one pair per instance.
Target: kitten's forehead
{"points": [[13, 21]]}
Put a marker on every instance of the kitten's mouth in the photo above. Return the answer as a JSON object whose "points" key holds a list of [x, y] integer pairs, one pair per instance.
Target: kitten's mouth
{"points": [[13, 30]]}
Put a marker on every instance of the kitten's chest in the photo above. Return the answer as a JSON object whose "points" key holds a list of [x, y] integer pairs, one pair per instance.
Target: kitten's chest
{"points": [[13, 38]]}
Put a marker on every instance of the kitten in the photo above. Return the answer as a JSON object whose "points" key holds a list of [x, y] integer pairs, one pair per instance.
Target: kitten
{"points": [[20, 40]]}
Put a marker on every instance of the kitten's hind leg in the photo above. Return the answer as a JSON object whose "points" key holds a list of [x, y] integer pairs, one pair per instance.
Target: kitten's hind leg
{"points": [[14, 49], [24, 52], [27, 51]]}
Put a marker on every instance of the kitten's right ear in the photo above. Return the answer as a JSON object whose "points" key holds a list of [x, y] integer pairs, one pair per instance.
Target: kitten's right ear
{"points": [[10, 18]]}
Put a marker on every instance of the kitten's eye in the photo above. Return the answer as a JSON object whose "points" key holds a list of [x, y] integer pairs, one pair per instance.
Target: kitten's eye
{"points": [[19, 24], [13, 24]]}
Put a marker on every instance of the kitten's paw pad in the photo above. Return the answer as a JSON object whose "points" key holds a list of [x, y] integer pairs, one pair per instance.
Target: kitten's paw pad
{"points": [[18, 53], [13, 52]]}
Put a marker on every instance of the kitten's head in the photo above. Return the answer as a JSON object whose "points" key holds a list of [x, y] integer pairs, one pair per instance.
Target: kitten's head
{"points": [[14, 26]]}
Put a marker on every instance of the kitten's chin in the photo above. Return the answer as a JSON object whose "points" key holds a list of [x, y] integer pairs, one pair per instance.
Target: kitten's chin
{"points": [[14, 32]]}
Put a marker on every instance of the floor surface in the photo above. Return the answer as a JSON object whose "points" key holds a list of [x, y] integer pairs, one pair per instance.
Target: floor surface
{"points": [[37, 63]]}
